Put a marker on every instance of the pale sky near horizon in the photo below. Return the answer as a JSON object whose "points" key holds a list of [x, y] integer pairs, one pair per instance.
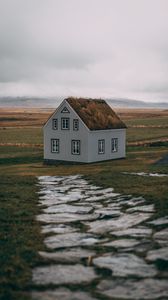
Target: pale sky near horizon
{"points": [[92, 48]]}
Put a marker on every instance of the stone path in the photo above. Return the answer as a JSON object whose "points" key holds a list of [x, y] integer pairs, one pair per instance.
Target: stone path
{"points": [[146, 174], [99, 244]]}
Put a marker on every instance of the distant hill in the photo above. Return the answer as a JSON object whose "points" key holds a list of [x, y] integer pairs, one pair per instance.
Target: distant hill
{"points": [[55, 101], [129, 103], [30, 102]]}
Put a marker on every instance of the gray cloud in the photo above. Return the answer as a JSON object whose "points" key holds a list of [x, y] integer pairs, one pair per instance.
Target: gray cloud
{"points": [[92, 48]]}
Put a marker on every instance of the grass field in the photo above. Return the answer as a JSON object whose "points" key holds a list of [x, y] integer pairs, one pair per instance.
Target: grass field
{"points": [[21, 135], [142, 134], [20, 236], [29, 136], [153, 122]]}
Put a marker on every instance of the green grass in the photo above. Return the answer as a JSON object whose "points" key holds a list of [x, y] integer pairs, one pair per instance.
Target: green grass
{"points": [[20, 236], [21, 135], [141, 134], [157, 130], [153, 121], [19, 155]]}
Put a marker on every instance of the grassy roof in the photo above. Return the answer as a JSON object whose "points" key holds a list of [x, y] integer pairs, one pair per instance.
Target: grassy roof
{"points": [[96, 113]]}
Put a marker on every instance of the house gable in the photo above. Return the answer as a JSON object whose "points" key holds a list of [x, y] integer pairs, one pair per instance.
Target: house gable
{"points": [[65, 110]]}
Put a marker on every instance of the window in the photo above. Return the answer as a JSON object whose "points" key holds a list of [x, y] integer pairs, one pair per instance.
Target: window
{"points": [[75, 124], [114, 145], [55, 145], [55, 124], [65, 123], [65, 110], [101, 146], [75, 147]]}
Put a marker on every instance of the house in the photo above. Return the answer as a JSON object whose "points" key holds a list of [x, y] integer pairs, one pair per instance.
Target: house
{"points": [[84, 130]]}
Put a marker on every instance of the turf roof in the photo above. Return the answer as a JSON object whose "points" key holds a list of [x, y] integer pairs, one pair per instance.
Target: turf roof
{"points": [[96, 113]]}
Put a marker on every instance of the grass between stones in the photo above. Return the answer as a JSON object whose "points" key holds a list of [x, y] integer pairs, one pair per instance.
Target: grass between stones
{"points": [[20, 236]]}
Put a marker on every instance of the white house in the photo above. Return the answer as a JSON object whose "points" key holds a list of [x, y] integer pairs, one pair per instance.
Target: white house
{"points": [[84, 130]]}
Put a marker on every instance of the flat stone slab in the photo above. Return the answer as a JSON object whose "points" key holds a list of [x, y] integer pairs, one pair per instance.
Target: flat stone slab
{"points": [[99, 191], [160, 221], [161, 254], [72, 255], [121, 223], [63, 274], [61, 293], [58, 228], [65, 218], [143, 247], [147, 289], [143, 208], [108, 212], [60, 198], [137, 232], [125, 264], [61, 179], [161, 237], [68, 209], [112, 205], [122, 243], [70, 240], [101, 197], [131, 201]]}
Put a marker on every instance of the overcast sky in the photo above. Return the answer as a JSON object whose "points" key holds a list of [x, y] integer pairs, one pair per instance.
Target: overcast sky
{"points": [[93, 48]]}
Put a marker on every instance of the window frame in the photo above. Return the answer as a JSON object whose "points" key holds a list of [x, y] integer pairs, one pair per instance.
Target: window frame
{"points": [[102, 143], [62, 120], [77, 147], [75, 122], [54, 121], [57, 146], [114, 145]]}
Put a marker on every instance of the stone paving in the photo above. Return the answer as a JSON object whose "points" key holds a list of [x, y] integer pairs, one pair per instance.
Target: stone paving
{"points": [[98, 244]]}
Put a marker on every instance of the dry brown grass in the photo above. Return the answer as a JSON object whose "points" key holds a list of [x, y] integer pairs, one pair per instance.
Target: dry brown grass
{"points": [[154, 121], [23, 117], [134, 113]]}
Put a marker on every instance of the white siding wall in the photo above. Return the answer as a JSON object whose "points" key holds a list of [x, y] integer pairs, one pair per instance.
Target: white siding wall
{"points": [[65, 137], [106, 135]]}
